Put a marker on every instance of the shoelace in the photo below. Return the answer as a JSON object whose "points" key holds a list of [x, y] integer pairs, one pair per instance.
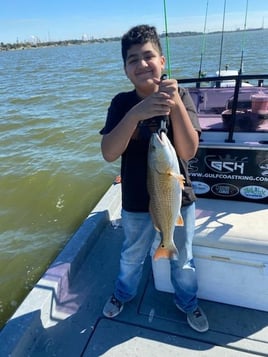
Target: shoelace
{"points": [[116, 302], [197, 313]]}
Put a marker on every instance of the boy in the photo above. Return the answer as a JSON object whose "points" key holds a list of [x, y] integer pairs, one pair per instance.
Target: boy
{"points": [[132, 118]]}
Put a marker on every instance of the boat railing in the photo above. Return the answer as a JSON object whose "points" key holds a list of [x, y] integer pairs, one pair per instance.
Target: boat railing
{"points": [[224, 103], [220, 79]]}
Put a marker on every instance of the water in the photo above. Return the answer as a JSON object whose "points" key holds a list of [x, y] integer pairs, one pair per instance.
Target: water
{"points": [[53, 102]]}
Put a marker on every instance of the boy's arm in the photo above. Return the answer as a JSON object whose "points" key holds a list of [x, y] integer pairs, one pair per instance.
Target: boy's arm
{"points": [[115, 143], [186, 137]]}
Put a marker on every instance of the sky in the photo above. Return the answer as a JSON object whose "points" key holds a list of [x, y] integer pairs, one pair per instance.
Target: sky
{"points": [[55, 20]]}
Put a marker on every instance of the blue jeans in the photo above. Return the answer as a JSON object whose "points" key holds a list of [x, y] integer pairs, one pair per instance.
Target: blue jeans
{"points": [[139, 238]]}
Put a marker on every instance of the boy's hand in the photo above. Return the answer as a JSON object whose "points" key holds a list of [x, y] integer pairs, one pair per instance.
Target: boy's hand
{"points": [[170, 87], [158, 103]]}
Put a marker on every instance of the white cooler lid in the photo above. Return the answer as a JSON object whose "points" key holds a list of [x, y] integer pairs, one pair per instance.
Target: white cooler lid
{"points": [[232, 225]]}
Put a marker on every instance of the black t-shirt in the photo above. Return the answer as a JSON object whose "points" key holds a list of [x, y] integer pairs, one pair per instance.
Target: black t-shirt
{"points": [[135, 196]]}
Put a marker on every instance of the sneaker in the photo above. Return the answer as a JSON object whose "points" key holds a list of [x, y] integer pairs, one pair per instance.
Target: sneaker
{"points": [[198, 320], [113, 307]]}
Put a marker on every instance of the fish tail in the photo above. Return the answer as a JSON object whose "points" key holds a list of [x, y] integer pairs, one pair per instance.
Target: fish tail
{"points": [[166, 253]]}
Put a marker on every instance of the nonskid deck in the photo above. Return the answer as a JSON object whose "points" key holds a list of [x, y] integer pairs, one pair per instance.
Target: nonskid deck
{"points": [[63, 313]]}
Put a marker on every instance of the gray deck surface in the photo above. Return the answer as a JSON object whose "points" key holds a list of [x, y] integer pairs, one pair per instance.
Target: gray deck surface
{"points": [[62, 316]]}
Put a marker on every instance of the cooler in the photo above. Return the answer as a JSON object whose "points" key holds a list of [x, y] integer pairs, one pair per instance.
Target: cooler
{"points": [[230, 252], [259, 103]]}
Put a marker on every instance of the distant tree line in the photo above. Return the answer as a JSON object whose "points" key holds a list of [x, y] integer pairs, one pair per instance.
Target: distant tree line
{"points": [[28, 44], [36, 44]]}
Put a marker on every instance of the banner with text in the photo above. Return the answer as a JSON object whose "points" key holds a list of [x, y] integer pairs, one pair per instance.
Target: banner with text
{"points": [[235, 174]]}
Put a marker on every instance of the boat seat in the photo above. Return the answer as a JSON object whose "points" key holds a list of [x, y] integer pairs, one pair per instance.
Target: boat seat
{"points": [[231, 225], [196, 97]]}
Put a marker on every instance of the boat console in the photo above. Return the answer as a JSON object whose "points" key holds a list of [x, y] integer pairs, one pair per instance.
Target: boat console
{"points": [[232, 160]]}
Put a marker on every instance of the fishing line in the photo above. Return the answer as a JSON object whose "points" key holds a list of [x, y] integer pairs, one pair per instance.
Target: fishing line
{"points": [[167, 41], [200, 74], [243, 39]]}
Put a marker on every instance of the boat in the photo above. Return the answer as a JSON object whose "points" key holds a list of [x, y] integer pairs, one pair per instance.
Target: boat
{"points": [[62, 315], [229, 82]]}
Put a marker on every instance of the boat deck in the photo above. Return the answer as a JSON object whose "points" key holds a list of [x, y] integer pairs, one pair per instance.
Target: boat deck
{"points": [[62, 316], [214, 109]]}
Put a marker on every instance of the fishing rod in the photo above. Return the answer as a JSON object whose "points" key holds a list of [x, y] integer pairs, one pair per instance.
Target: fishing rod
{"points": [[200, 74], [164, 118], [167, 41], [243, 39], [222, 33]]}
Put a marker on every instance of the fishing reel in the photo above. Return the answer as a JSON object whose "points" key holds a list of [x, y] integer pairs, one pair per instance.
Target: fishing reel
{"points": [[164, 119]]}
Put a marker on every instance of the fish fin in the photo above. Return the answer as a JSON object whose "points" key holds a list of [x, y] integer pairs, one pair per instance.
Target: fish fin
{"points": [[171, 173], [153, 220], [179, 221], [180, 178], [157, 229], [166, 253]]}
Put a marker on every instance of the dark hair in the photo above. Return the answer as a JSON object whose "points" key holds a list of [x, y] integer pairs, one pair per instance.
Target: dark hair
{"points": [[139, 35]]}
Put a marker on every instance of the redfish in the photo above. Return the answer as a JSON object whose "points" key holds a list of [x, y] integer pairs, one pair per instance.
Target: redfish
{"points": [[165, 184]]}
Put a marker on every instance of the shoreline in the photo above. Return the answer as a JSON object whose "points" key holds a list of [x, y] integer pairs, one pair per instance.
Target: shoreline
{"points": [[39, 44]]}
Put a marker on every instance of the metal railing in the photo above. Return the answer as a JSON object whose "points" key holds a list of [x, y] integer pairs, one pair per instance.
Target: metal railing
{"points": [[238, 79]]}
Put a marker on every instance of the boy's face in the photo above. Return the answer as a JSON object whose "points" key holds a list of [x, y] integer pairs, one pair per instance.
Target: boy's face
{"points": [[143, 63]]}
